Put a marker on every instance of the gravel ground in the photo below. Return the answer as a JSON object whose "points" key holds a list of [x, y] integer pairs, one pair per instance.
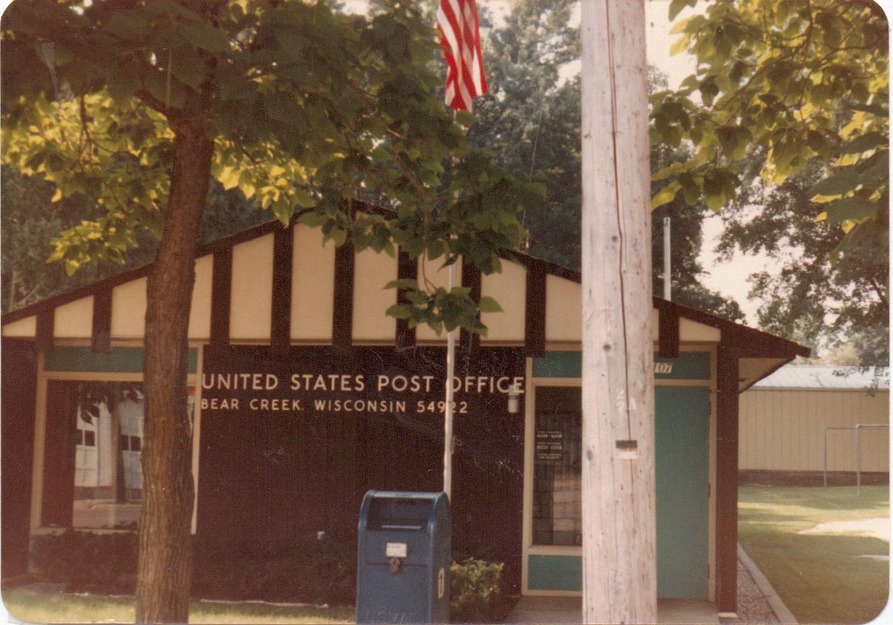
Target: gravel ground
{"points": [[753, 606], [757, 601]]}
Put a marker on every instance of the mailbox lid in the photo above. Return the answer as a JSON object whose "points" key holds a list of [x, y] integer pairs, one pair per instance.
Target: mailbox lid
{"points": [[402, 511]]}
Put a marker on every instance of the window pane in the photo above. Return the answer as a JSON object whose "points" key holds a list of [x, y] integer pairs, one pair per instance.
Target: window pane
{"points": [[108, 471], [557, 507]]}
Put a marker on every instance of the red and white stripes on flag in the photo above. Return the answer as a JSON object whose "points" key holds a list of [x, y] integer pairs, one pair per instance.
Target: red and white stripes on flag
{"points": [[457, 21]]}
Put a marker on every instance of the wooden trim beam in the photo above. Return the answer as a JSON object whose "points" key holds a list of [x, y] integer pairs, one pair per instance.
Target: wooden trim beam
{"points": [[101, 335], [342, 321], [280, 317], [46, 321], [535, 310], [668, 333], [471, 278], [221, 297], [727, 476], [407, 269]]}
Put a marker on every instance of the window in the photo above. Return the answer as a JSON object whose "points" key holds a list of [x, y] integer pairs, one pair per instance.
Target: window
{"points": [[108, 477], [557, 503]]}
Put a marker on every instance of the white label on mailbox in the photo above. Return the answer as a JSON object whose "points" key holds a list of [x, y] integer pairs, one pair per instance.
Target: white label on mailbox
{"points": [[395, 550]]}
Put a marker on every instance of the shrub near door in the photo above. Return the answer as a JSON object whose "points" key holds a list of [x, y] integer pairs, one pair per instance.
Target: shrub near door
{"points": [[477, 591]]}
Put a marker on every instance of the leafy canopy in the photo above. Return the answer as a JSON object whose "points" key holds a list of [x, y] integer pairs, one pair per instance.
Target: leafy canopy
{"points": [[531, 121], [801, 81], [310, 111]]}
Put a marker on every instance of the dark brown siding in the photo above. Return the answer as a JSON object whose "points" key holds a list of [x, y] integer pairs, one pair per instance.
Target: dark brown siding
{"points": [[268, 479], [59, 454], [18, 403]]}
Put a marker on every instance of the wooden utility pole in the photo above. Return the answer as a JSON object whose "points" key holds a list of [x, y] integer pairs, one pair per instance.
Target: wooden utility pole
{"points": [[619, 555]]}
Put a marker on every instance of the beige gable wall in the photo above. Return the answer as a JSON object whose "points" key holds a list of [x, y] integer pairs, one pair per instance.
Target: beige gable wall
{"points": [[74, 320], [564, 310], [313, 286], [23, 328], [252, 290], [509, 288], [200, 314], [129, 310], [371, 300]]}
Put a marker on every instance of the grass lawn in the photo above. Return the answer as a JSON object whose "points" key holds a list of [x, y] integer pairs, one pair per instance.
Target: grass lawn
{"points": [[819, 548], [47, 607]]}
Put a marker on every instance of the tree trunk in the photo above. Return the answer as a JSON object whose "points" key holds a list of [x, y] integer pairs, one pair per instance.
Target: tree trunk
{"points": [[165, 549], [619, 554]]}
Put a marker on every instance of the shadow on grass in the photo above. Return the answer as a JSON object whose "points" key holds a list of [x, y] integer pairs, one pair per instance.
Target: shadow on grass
{"points": [[821, 577]]}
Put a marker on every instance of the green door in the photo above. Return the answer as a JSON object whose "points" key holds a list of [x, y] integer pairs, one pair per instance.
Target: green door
{"points": [[682, 446]]}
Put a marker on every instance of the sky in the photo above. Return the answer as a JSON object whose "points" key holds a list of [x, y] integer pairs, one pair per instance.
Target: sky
{"points": [[728, 278]]}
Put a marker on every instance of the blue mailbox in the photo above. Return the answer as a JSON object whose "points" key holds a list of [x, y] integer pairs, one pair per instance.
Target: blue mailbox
{"points": [[403, 568]]}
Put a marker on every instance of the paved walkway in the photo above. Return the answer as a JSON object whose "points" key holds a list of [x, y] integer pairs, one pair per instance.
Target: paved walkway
{"points": [[757, 604]]}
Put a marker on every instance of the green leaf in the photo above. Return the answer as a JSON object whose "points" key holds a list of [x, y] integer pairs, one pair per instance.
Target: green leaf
{"points": [[129, 25], [709, 90], [302, 198], [665, 195], [677, 6], [838, 183], [403, 283], [202, 35], [489, 305], [863, 143], [399, 311], [850, 209]]}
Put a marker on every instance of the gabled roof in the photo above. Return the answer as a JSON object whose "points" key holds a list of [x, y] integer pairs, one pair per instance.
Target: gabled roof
{"points": [[827, 377], [245, 274]]}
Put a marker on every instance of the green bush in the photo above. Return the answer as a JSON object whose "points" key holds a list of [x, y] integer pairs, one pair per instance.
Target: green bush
{"points": [[477, 592], [87, 561]]}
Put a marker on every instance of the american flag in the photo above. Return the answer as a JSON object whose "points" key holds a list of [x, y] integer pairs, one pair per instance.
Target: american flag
{"points": [[460, 37]]}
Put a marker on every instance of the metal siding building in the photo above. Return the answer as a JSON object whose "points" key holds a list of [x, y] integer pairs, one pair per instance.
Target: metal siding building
{"points": [[786, 418]]}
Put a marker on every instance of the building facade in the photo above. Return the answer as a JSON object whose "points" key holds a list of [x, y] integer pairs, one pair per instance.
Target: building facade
{"points": [[304, 394]]}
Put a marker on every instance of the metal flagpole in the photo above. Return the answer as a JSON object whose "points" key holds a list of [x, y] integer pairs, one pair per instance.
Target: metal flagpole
{"points": [[448, 408], [668, 293], [457, 21]]}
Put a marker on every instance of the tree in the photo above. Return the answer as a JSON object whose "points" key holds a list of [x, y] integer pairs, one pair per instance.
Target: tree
{"points": [[31, 221], [809, 297], [531, 119], [28, 226], [686, 241], [531, 122], [138, 103], [781, 89]]}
